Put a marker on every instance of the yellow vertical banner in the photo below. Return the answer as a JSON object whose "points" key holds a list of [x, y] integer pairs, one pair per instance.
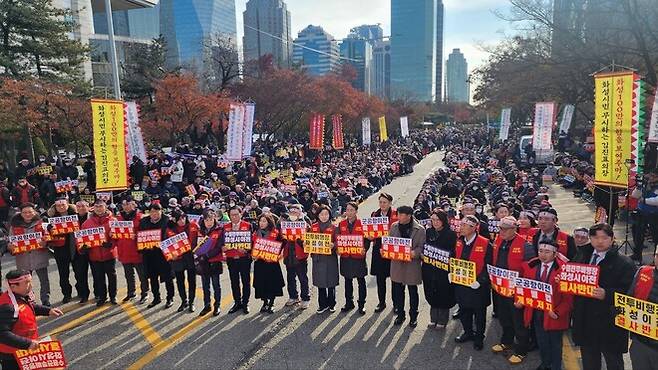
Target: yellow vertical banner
{"points": [[109, 145], [613, 122], [383, 135]]}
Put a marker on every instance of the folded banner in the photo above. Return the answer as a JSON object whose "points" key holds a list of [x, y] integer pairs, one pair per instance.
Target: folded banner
{"points": [[234, 134], [148, 239], [48, 355], [293, 230], [266, 250], [366, 138], [174, 247], [375, 227], [404, 126], [462, 272], [437, 257], [317, 243], [63, 225], [23, 243], [502, 281], [396, 249], [543, 126], [350, 246], [248, 128], [383, 135], [109, 144], [579, 279], [122, 230], [316, 133], [534, 294], [337, 123], [237, 240], [135, 139], [90, 238], [505, 123], [636, 315]]}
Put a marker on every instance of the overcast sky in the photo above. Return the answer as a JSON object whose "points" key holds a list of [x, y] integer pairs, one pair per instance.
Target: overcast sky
{"points": [[468, 23]]}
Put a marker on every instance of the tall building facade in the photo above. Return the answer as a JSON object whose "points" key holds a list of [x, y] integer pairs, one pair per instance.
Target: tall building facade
{"points": [[439, 50], [413, 49], [189, 24], [357, 52], [315, 51], [370, 32], [267, 31], [457, 85], [381, 69]]}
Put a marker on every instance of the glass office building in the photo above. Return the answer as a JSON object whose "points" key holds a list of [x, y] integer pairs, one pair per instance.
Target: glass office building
{"points": [[358, 53], [457, 85], [315, 51]]}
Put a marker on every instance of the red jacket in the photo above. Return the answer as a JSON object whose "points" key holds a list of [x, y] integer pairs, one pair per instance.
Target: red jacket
{"points": [[235, 253], [127, 248], [562, 303], [101, 254], [25, 325]]}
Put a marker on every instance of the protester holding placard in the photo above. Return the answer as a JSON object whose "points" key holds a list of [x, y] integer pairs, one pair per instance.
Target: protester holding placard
{"points": [[381, 267], [24, 223], [238, 258], [268, 278], [103, 259], [407, 274], [325, 266], [440, 246], [63, 245], [81, 264], [155, 265], [18, 317], [473, 300], [350, 247], [549, 325], [548, 230], [296, 261], [470, 208], [510, 251], [208, 257], [593, 325], [23, 193], [127, 251], [644, 349], [184, 264]]}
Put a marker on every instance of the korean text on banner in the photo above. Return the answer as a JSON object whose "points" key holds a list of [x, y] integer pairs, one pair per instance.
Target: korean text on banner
{"points": [[543, 126], [248, 130], [293, 230], [135, 138], [63, 224], [174, 247], [579, 279], [612, 127], [396, 249], [109, 145], [534, 294], [502, 281], [122, 230], [375, 227], [567, 117], [240, 240], [437, 257], [505, 122], [636, 315], [317, 243], [404, 126], [365, 131], [23, 243], [350, 245], [316, 133], [462, 272], [148, 239], [337, 125], [90, 238], [48, 355], [383, 135], [653, 125], [266, 250], [234, 134]]}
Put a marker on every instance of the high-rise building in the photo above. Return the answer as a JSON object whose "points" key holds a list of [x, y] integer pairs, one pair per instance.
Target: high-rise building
{"points": [[357, 52], [188, 25], [439, 50], [413, 49], [267, 31], [457, 85], [315, 51], [381, 69], [370, 32]]}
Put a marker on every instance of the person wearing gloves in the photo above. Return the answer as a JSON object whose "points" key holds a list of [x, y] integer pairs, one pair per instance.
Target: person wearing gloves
{"points": [[103, 259], [407, 274], [474, 300]]}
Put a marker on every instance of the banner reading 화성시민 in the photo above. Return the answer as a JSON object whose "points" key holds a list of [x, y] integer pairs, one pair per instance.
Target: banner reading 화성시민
{"points": [[109, 144]]}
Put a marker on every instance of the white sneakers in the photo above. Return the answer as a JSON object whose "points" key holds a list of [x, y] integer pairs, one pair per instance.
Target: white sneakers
{"points": [[305, 305], [292, 301]]}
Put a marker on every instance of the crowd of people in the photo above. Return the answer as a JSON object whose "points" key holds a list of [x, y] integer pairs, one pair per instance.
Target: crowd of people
{"points": [[482, 207]]}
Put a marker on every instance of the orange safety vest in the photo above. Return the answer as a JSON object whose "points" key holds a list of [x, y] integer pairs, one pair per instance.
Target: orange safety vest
{"points": [[644, 282], [515, 256], [26, 321]]}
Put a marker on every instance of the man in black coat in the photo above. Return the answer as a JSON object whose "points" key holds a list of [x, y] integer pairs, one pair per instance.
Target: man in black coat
{"points": [[594, 327], [157, 268]]}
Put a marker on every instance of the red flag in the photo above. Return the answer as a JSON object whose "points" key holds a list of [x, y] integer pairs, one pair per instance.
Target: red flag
{"points": [[317, 132], [337, 121]]}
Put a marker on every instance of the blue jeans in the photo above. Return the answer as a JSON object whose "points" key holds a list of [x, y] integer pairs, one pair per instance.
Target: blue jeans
{"points": [[205, 283], [549, 342]]}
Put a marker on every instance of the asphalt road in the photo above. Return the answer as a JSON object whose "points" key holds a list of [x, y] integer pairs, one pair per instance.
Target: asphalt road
{"points": [[132, 336]]}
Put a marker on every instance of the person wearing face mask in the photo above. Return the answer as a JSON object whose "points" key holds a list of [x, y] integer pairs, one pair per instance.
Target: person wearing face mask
{"points": [[296, 264], [325, 267], [268, 278], [469, 209], [63, 247], [380, 267], [155, 265], [184, 264], [128, 254], [208, 260], [238, 262], [23, 193], [353, 266], [581, 239]]}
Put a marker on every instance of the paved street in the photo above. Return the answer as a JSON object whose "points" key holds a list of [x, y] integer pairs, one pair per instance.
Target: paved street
{"points": [[130, 335]]}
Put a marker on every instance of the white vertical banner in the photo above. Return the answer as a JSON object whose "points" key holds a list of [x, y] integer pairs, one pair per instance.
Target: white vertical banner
{"points": [[365, 131], [247, 133], [505, 123], [404, 126], [234, 134], [543, 128], [567, 116], [653, 124], [134, 138]]}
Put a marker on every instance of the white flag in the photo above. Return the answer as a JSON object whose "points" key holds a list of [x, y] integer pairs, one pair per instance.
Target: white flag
{"points": [[653, 125], [234, 134], [404, 126], [567, 116], [134, 139], [505, 122], [247, 133], [365, 131], [543, 128]]}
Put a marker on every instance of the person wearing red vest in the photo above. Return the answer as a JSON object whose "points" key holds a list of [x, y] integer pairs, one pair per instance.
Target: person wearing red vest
{"points": [[296, 263], [549, 326], [179, 223], [548, 231], [208, 259], [510, 251], [527, 225], [353, 266], [381, 267], [63, 247], [18, 322], [268, 278], [474, 300], [325, 267], [129, 257], [644, 350], [81, 260], [239, 263], [103, 259]]}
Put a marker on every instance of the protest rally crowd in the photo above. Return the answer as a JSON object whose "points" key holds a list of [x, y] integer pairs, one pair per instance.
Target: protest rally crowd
{"points": [[482, 232]]}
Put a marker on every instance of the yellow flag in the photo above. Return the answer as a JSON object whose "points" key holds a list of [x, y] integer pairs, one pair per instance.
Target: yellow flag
{"points": [[383, 136], [109, 145]]}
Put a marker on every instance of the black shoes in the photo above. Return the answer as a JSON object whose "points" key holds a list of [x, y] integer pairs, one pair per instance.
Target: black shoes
{"points": [[128, 298], [236, 307], [205, 311], [361, 310], [155, 302], [191, 308], [348, 307], [182, 306], [245, 309], [169, 303], [217, 310], [100, 302], [66, 299], [380, 307], [464, 337], [113, 301], [477, 345], [143, 298], [83, 300], [398, 320]]}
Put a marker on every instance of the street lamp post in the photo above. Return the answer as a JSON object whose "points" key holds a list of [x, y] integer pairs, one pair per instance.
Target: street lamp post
{"points": [[113, 51]]}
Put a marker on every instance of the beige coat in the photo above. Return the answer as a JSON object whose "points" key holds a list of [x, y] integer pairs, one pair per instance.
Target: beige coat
{"points": [[409, 273]]}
